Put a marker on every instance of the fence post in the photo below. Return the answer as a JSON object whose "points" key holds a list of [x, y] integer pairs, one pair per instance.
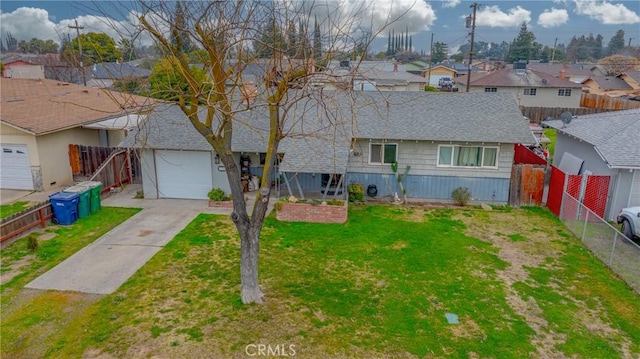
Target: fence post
{"points": [[586, 218], [43, 221], [613, 248]]}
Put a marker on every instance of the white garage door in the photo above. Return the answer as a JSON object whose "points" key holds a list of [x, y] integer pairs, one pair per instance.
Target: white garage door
{"points": [[15, 171], [183, 174], [434, 79]]}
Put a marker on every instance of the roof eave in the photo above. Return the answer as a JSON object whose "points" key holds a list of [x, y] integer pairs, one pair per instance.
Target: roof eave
{"points": [[18, 128]]}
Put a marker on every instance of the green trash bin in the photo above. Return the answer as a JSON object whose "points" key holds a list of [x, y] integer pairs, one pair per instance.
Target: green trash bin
{"points": [[96, 191], [84, 194]]}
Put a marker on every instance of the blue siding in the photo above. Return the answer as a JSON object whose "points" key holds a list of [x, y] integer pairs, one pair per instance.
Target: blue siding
{"points": [[494, 190], [308, 182]]}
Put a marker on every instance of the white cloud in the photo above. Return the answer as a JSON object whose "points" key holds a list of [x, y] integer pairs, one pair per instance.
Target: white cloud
{"points": [[494, 17], [26, 23], [607, 13], [450, 3], [553, 17], [400, 15]]}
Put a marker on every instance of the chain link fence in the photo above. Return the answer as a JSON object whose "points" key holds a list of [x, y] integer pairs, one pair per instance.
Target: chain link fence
{"points": [[618, 252]]}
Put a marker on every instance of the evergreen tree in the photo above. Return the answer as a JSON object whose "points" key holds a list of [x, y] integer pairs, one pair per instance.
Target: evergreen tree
{"points": [[389, 44], [317, 41], [270, 40], [524, 46], [292, 47], [616, 44], [439, 52], [179, 34], [11, 43]]}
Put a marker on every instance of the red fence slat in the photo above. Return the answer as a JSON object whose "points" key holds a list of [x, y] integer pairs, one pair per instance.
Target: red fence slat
{"points": [[524, 155], [556, 188], [595, 197]]}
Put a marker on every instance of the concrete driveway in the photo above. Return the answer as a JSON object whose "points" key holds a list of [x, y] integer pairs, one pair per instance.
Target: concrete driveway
{"points": [[103, 266]]}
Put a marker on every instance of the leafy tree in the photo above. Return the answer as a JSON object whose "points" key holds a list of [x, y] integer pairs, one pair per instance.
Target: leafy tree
{"points": [[618, 64], [96, 48], [256, 23], [439, 52], [166, 83], [616, 44]]}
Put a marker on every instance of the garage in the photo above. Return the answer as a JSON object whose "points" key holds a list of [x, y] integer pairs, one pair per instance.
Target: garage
{"points": [[15, 170], [183, 174]]}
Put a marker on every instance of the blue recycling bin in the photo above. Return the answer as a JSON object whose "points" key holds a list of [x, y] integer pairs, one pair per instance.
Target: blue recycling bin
{"points": [[65, 207]]}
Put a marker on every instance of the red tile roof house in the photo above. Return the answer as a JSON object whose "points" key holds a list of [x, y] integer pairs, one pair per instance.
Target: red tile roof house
{"points": [[39, 119], [530, 88]]}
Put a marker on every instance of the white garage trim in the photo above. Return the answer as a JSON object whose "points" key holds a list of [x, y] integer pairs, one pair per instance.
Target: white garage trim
{"points": [[15, 170], [183, 174]]}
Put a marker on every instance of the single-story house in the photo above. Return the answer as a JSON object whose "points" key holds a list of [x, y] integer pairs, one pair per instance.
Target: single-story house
{"points": [[613, 86], [632, 78], [103, 75], [448, 140], [435, 73], [530, 88], [608, 144], [41, 118]]}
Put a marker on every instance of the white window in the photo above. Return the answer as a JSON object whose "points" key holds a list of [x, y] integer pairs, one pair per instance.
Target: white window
{"points": [[564, 92], [467, 156], [383, 153], [530, 92], [490, 89]]}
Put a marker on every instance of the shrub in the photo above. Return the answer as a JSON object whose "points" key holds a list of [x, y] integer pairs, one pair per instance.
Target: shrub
{"points": [[218, 195], [429, 88], [356, 192], [32, 242], [461, 195]]}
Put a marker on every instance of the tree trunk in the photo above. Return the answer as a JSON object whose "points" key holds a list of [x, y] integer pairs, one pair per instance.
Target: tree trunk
{"points": [[249, 249]]}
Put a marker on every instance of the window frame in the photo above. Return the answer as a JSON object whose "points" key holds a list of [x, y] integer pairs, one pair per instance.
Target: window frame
{"points": [[490, 89], [453, 151], [382, 155], [530, 91], [564, 92]]}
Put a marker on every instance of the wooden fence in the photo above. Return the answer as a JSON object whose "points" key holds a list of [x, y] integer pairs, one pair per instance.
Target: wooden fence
{"points": [[527, 185], [21, 222], [590, 103], [607, 103], [85, 160], [114, 171]]}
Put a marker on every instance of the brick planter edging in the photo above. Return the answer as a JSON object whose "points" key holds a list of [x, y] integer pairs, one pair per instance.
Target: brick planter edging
{"points": [[222, 204], [305, 212]]}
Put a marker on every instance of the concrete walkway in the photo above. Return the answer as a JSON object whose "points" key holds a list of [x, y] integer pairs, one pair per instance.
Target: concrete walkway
{"points": [[103, 266]]}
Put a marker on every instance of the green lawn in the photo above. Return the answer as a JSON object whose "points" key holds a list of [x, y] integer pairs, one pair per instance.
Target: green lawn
{"points": [[551, 134], [377, 286], [7, 210]]}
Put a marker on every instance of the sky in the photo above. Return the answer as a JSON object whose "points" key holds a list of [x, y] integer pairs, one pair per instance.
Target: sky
{"points": [[497, 21]]}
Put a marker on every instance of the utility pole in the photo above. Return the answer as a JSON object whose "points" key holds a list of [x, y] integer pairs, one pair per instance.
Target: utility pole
{"points": [[629, 45], [473, 33], [430, 60], [553, 53], [78, 28]]}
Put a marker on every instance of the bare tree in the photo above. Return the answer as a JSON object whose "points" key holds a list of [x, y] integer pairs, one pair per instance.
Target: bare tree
{"points": [[226, 32]]}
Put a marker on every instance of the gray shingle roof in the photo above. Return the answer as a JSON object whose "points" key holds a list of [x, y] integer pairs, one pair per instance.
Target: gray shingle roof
{"points": [[466, 117], [318, 138], [615, 135]]}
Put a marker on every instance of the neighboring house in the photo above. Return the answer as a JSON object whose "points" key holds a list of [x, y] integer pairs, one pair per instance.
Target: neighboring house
{"points": [[44, 66], [104, 75], [416, 67], [608, 143], [573, 72], [632, 78], [41, 118], [449, 140], [371, 76], [529, 87], [17, 67], [612, 86], [435, 73]]}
